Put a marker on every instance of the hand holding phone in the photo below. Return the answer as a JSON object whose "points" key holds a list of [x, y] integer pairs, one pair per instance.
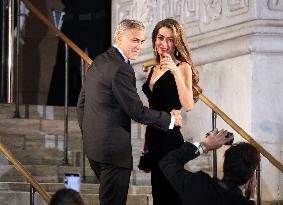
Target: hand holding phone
{"points": [[72, 181]]}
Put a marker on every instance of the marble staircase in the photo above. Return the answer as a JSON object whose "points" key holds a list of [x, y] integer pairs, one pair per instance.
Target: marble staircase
{"points": [[37, 142]]}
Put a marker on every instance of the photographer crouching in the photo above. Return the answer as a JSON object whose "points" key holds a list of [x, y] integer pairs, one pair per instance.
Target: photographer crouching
{"points": [[238, 184]]}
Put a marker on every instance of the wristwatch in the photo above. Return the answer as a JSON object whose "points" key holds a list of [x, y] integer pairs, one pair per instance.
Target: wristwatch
{"points": [[202, 145], [201, 148]]}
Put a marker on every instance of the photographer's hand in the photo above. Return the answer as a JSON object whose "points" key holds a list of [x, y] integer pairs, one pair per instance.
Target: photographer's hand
{"points": [[216, 139]]}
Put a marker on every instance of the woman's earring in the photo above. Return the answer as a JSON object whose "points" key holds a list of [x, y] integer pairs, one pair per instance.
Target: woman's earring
{"points": [[155, 51], [176, 53]]}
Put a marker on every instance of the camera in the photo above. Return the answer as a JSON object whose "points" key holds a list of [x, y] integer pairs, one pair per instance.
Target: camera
{"points": [[230, 142]]}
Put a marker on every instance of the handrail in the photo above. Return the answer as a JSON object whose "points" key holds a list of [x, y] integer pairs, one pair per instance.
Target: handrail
{"points": [[25, 173], [228, 120], [241, 132]]}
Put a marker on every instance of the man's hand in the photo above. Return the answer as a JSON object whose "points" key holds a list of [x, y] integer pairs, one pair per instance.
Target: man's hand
{"points": [[251, 187], [216, 139], [178, 117]]}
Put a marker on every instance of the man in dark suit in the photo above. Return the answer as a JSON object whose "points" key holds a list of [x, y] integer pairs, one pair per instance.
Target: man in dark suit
{"points": [[199, 188], [107, 103]]}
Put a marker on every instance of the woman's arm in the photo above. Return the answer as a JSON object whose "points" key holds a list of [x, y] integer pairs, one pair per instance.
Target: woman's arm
{"points": [[183, 79]]}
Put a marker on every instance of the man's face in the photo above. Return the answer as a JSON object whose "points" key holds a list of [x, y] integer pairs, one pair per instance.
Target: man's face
{"points": [[130, 42]]}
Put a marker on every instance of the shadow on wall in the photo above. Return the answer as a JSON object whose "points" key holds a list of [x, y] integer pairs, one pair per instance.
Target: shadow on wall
{"points": [[30, 67]]}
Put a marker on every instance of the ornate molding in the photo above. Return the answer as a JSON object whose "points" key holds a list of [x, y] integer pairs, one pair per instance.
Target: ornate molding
{"points": [[199, 17], [211, 10], [276, 5], [124, 9], [237, 7], [216, 13], [166, 9], [190, 9]]}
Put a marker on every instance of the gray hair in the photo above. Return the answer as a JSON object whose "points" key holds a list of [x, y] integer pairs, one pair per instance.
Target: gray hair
{"points": [[126, 25]]}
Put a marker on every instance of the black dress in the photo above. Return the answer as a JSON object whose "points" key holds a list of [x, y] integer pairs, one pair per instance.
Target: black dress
{"points": [[164, 96]]}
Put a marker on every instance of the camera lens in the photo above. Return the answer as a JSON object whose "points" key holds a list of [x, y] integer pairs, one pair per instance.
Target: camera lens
{"points": [[230, 142]]}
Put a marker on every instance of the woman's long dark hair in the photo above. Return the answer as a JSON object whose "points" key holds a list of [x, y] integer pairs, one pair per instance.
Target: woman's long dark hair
{"points": [[182, 52]]}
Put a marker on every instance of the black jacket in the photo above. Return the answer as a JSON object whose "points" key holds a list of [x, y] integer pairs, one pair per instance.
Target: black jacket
{"points": [[107, 103], [198, 188]]}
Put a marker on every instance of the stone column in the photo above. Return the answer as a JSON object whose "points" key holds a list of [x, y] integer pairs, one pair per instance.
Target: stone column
{"points": [[237, 46]]}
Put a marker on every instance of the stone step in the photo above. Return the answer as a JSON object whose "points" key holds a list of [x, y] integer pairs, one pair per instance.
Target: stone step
{"points": [[49, 156], [34, 142], [33, 150], [49, 145], [37, 126], [86, 188], [32, 133], [43, 157], [18, 193], [23, 198], [37, 112], [38, 144], [55, 174]]}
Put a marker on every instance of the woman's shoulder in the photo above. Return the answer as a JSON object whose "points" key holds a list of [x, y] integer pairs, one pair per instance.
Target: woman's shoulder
{"points": [[184, 66], [185, 69]]}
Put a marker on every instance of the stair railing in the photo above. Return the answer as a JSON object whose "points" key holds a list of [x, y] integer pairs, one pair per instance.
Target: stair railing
{"points": [[214, 163], [242, 132], [24, 172], [203, 98], [3, 50]]}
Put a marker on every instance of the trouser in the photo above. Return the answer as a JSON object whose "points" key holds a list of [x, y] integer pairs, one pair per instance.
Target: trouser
{"points": [[114, 183]]}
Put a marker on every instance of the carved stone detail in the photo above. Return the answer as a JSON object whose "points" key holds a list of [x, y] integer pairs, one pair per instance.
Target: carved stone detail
{"points": [[190, 11], [212, 10], [276, 5], [124, 10], [237, 7], [166, 9], [177, 9], [202, 12]]}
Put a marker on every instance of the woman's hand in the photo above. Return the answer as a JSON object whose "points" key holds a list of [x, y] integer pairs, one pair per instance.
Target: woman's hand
{"points": [[166, 62]]}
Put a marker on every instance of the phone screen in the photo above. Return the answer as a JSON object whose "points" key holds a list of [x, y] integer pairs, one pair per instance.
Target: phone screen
{"points": [[72, 181]]}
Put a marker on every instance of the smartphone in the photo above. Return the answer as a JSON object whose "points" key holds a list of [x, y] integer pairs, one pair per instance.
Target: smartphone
{"points": [[72, 181]]}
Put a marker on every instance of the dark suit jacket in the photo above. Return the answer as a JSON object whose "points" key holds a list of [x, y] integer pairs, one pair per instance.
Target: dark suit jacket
{"points": [[107, 103], [198, 188]]}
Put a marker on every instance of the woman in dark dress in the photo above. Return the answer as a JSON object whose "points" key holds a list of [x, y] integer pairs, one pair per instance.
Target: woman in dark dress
{"points": [[171, 84]]}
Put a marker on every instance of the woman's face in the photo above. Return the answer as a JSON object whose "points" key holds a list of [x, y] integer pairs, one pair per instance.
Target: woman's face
{"points": [[164, 42]]}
